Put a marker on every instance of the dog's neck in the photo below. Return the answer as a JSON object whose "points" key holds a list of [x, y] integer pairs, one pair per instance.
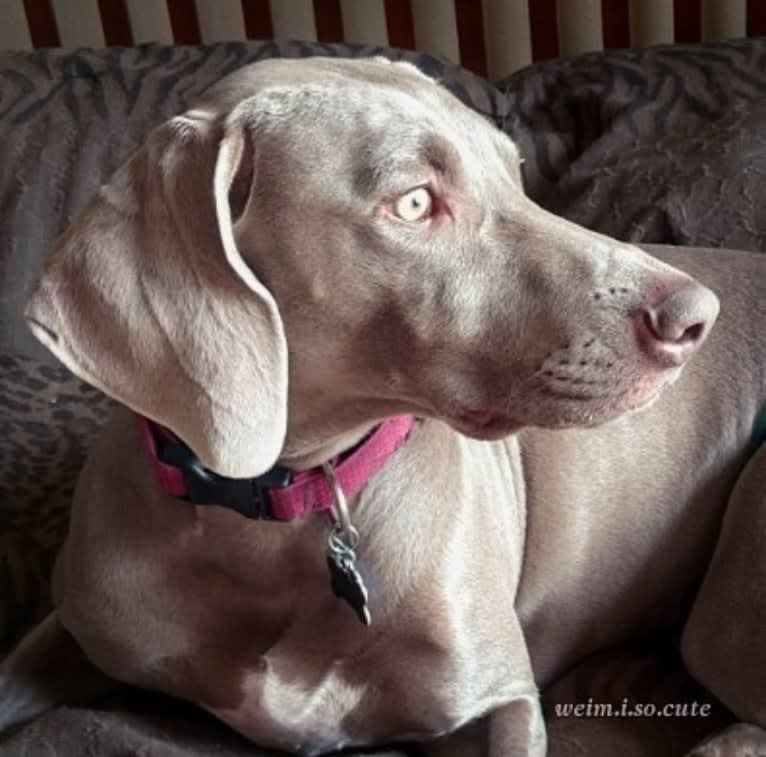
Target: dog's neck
{"points": [[280, 493], [304, 454], [319, 431]]}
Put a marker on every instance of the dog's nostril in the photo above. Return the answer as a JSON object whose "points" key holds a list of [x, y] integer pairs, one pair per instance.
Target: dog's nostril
{"points": [[679, 323], [648, 319], [667, 327], [693, 333]]}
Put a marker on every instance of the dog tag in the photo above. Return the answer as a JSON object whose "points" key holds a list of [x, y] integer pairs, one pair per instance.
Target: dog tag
{"points": [[346, 581]]}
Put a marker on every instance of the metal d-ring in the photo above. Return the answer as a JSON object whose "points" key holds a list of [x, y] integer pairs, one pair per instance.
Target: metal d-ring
{"points": [[343, 528]]}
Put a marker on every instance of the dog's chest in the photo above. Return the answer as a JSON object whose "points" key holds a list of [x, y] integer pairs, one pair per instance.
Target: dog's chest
{"points": [[353, 686], [287, 664]]}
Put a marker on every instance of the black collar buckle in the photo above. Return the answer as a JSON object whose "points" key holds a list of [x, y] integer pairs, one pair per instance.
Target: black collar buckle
{"points": [[247, 496]]}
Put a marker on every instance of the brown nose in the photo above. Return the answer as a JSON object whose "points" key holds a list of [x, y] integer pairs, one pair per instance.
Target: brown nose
{"points": [[675, 327]]}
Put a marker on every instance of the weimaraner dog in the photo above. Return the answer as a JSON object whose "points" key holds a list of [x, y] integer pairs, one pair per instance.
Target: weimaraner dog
{"points": [[322, 297]]}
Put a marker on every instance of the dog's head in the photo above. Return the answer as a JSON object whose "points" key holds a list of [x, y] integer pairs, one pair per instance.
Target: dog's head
{"points": [[322, 243]]}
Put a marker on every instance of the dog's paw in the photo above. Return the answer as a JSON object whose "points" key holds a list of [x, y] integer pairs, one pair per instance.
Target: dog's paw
{"points": [[740, 740]]}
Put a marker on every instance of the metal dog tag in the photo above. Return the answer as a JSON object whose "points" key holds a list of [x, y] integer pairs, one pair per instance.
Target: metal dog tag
{"points": [[345, 580]]}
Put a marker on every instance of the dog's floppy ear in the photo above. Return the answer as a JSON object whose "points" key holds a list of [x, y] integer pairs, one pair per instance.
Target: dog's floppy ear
{"points": [[147, 297]]}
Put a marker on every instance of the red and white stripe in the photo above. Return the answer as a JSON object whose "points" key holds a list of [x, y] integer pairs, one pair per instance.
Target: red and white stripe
{"points": [[491, 37]]}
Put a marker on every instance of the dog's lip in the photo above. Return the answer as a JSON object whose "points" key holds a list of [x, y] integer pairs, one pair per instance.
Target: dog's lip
{"points": [[479, 417], [607, 406], [484, 422]]}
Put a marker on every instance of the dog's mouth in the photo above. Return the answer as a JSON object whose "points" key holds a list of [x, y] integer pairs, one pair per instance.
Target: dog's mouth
{"points": [[485, 424], [557, 408]]}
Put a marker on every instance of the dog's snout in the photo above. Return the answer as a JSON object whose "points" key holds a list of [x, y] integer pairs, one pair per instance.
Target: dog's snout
{"points": [[673, 328]]}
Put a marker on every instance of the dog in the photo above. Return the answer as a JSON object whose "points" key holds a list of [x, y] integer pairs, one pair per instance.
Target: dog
{"points": [[514, 441]]}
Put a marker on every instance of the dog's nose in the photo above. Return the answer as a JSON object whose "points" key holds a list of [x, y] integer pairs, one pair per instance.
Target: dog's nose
{"points": [[676, 326]]}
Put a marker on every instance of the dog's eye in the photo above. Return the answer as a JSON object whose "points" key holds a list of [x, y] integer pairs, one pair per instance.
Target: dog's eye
{"points": [[416, 205]]}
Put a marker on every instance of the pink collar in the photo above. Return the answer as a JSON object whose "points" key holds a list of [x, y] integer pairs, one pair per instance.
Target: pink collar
{"points": [[279, 494]]}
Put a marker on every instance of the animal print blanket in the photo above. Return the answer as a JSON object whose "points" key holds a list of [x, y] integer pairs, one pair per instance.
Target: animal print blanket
{"points": [[661, 145]]}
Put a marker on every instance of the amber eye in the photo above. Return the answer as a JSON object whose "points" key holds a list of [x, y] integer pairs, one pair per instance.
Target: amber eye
{"points": [[415, 205]]}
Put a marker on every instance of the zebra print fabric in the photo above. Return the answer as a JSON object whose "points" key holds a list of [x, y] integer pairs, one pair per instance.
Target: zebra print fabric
{"points": [[68, 119], [662, 145]]}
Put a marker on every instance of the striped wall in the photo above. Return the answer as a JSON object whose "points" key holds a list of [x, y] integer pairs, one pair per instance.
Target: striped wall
{"points": [[491, 37]]}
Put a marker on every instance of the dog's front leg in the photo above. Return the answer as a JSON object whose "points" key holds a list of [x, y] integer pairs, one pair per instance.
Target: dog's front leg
{"points": [[516, 729], [45, 669], [724, 642], [737, 740]]}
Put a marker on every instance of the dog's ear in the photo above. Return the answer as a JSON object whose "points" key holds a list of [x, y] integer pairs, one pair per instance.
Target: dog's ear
{"points": [[147, 297]]}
